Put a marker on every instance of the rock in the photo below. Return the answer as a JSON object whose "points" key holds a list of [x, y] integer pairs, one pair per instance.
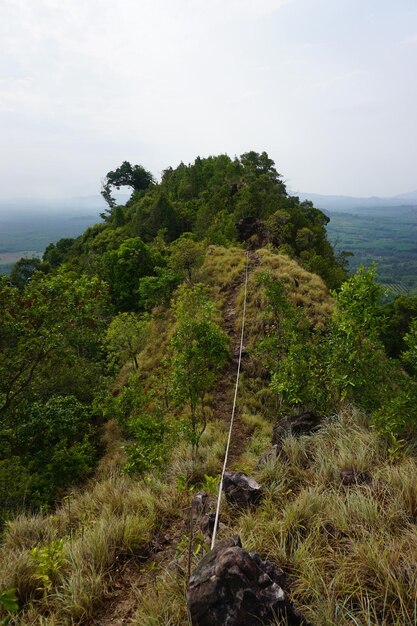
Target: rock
{"points": [[232, 587], [269, 457], [352, 477], [207, 525], [252, 230], [304, 424], [199, 504], [241, 490]]}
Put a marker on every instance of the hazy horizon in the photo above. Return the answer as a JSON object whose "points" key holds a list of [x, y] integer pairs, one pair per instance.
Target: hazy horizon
{"points": [[327, 89]]}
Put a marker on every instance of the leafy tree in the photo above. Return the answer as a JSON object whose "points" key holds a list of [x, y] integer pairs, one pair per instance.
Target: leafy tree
{"points": [[347, 363], [409, 356], [127, 175], [54, 440], [398, 315], [186, 256], [160, 215], [51, 316], [56, 253], [126, 336], [199, 352], [292, 353], [23, 271], [122, 268], [157, 290], [355, 366]]}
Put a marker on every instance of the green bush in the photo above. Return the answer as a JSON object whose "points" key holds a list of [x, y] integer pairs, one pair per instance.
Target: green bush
{"points": [[150, 446]]}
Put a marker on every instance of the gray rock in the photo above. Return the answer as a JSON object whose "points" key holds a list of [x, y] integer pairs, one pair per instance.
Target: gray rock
{"points": [[352, 477], [232, 587], [241, 490], [207, 525], [199, 504]]}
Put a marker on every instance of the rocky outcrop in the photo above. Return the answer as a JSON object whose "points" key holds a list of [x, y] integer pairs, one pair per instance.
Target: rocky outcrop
{"points": [[232, 587], [241, 490], [252, 231]]}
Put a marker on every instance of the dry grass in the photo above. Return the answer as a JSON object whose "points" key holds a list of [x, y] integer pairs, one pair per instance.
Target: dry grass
{"points": [[222, 266], [350, 551], [112, 517], [304, 290]]}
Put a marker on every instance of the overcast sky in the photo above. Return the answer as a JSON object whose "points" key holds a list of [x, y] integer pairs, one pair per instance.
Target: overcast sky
{"points": [[327, 87]]}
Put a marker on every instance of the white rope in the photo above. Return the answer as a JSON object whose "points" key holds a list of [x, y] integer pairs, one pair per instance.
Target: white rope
{"points": [[219, 496]]}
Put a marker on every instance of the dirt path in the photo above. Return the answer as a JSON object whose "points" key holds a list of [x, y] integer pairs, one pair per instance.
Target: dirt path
{"points": [[132, 575], [224, 391]]}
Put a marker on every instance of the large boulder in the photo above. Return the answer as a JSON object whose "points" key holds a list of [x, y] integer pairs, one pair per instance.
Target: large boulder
{"points": [[232, 587], [241, 490]]}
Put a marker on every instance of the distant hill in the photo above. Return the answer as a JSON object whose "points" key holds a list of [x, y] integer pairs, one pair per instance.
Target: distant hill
{"points": [[350, 203]]}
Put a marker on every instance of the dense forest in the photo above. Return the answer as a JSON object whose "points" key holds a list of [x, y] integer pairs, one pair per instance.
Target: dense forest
{"points": [[117, 354]]}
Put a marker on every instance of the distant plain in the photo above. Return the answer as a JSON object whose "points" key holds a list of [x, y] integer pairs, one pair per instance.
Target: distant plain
{"points": [[380, 232]]}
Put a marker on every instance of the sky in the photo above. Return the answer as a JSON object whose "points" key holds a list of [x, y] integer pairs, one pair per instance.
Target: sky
{"points": [[327, 87]]}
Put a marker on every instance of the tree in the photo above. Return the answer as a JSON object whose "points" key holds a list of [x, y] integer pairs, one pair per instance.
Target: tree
{"points": [[157, 290], [126, 336], [199, 352], [398, 315], [409, 356], [23, 270], [52, 317], [122, 268], [186, 256], [127, 175], [54, 440]]}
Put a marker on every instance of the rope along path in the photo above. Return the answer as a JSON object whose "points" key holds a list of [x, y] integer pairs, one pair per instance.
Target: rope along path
{"points": [[219, 496]]}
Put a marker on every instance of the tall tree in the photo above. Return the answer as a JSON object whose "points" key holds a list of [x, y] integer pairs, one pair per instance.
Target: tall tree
{"points": [[127, 175]]}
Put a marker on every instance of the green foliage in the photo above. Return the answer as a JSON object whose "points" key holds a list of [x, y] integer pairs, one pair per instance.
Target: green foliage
{"points": [[23, 270], [199, 352], [398, 315], [53, 316], [127, 175], [158, 214], [157, 290], [49, 561], [359, 304], [397, 417], [9, 602], [126, 337], [55, 444], [320, 371], [150, 446], [122, 269], [56, 253], [16, 485], [409, 356], [211, 484], [186, 256], [292, 353]]}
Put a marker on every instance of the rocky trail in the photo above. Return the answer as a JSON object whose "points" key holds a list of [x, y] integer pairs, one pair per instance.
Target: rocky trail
{"points": [[132, 574]]}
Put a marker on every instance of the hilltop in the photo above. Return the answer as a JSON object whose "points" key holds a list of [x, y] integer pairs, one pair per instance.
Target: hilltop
{"points": [[119, 357]]}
